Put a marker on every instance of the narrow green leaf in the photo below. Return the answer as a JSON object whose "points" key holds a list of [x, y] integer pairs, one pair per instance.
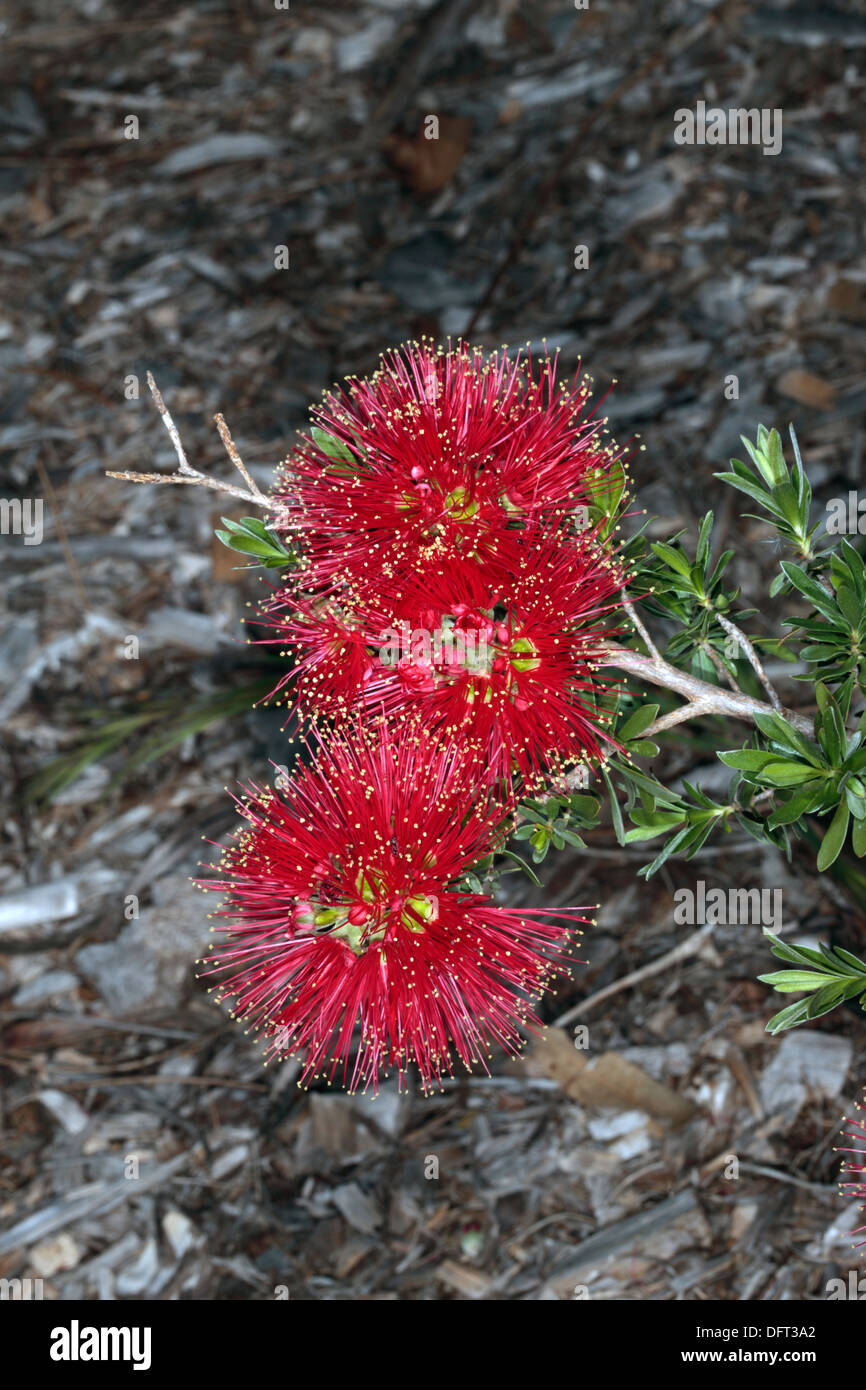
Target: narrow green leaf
{"points": [[797, 981], [639, 720], [333, 447], [674, 558], [615, 812], [789, 1017], [834, 839], [811, 590], [747, 759]]}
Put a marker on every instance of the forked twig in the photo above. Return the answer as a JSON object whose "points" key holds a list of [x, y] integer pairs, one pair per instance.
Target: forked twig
{"points": [[752, 656], [187, 474], [701, 697], [639, 625]]}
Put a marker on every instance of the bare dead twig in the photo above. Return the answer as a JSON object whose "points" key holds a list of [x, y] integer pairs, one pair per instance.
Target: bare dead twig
{"points": [[187, 474], [689, 947]]}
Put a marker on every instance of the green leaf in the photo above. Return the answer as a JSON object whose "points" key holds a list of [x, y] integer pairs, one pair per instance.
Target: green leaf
{"points": [[331, 446], [615, 812], [747, 759], [526, 868], [831, 996], [799, 805], [246, 545], [857, 965], [788, 503], [795, 954], [250, 536], [778, 730], [796, 981], [789, 1017], [811, 590], [785, 774], [834, 839], [570, 838], [832, 733], [523, 832], [670, 848], [674, 558], [850, 606], [639, 720], [773, 458], [643, 748], [703, 549], [648, 825], [822, 651], [584, 807], [607, 486]]}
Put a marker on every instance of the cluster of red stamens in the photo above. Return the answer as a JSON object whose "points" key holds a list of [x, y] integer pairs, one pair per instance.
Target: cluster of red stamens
{"points": [[855, 1185], [445, 627]]}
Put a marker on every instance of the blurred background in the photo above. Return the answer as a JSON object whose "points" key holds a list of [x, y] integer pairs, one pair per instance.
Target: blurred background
{"points": [[242, 198]]}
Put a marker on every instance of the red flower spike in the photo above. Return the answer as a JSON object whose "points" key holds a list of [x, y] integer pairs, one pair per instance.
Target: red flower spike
{"points": [[387, 943], [856, 1185], [501, 652], [440, 453]]}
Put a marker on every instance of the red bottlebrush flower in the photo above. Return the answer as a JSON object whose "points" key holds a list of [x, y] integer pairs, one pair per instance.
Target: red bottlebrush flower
{"points": [[502, 652], [344, 911], [439, 453], [855, 1186]]}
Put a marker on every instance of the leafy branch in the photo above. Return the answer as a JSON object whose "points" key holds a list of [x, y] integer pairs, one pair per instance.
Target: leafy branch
{"points": [[827, 976], [691, 639]]}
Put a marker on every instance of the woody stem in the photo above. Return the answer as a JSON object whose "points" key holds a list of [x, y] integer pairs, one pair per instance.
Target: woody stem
{"points": [[701, 697]]}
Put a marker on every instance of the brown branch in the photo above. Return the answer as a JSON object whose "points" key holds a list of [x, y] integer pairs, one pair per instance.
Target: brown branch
{"points": [[754, 660], [689, 947], [638, 625], [719, 665], [702, 697], [187, 474]]}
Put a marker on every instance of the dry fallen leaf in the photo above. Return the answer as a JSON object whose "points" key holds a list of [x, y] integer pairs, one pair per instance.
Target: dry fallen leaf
{"points": [[807, 388], [848, 298], [429, 161], [607, 1080]]}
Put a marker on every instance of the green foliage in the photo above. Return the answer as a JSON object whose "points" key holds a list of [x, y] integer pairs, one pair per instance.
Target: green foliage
{"points": [[554, 822], [250, 536], [690, 595], [834, 634], [607, 488], [784, 783], [168, 723], [784, 494], [827, 976], [343, 460], [810, 778]]}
